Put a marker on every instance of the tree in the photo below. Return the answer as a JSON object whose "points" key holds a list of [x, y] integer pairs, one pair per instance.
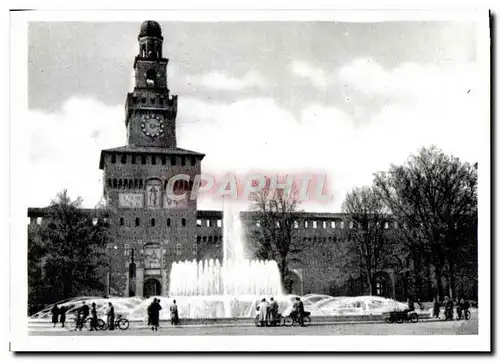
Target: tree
{"points": [[67, 254], [365, 214], [434, 196], [276, 213]]}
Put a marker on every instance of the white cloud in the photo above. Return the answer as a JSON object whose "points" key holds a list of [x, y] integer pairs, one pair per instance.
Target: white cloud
{"points": [[217, 80], [428, 106], [317, 76], [64, 149]]}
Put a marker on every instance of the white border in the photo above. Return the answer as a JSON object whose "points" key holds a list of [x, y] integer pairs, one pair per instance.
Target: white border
{"points": [[18, 262]]}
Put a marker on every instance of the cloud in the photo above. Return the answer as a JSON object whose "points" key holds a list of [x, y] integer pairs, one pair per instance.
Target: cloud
{"points": [[220, 81], [427, 106], [317, 76], [63, 149]]}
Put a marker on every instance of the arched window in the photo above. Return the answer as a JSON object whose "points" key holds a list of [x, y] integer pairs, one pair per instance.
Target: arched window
{"points": [[168, 222], [151, 77], [122, 221], [183, 222]]}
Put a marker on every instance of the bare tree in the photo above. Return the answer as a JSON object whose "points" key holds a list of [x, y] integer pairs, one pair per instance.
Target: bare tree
{"points": [[365, 214], [275, 212], [435, 196]]}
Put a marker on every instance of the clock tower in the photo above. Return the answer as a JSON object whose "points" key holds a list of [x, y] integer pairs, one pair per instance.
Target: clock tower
{"points": [[150, 109], [151, 227]]}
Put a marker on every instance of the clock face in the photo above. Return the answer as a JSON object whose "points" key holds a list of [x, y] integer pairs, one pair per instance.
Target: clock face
{"points": [[152, 125]]}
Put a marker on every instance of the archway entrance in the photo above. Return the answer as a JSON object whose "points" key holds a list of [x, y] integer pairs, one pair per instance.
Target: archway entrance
{"points": [[152, 288]]}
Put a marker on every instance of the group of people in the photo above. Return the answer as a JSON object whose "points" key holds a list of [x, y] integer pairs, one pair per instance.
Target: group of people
{"points": [[462, 306], [154, 314], [269, 315], [268, 312], [82, 314]]}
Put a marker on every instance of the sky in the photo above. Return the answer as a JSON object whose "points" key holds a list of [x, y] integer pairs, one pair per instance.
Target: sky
{"points": [[339, 99]]}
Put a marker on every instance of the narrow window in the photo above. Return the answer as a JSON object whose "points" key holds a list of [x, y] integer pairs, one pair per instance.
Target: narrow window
{"points": [[204, 239], [295, 224], [219, 223], [195, 249], [342, 225], [351, 225], [333, 224], [163, 159], [110, 183], [174, 160], [143, 159], [113, 158], [209, 239], [141, 184], [324, 224], [198, 223], [133, 159], [153, 221], [137, 222], [184, 222], [115, 183], [193, 161], [122, 221], [306, 225], [178, 249], [183, 161], [198, 239], [168, 222], [124, 159], [386, 225], [153, 160], [315, 224]]}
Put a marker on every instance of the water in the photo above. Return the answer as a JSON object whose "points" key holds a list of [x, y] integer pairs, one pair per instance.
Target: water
{"points": [[219, 288]]}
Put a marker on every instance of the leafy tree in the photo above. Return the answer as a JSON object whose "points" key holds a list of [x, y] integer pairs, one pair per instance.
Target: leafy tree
{"points": [[434, 196], [276, 213], [67, 252], [366, 217]]}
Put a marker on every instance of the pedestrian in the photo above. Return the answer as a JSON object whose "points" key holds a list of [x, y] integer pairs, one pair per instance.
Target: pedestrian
{"points": [[111, 317], [155, 315], [263, 312], [149, 311], [273, 308], [448, 308], [93, 320], [55, 314], [436, 308], [174, 313], [62, 315]]}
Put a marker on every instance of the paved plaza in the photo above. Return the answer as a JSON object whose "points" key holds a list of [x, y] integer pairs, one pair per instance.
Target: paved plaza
{"points": [[469, 327]]}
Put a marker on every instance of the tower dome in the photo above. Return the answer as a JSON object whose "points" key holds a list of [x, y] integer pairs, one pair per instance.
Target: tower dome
{"points": [[150, 28]]}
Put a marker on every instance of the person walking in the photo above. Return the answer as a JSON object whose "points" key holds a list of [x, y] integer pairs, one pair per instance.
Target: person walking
{"points": [[155, 315], [111, 317], [93, 320], [174, 313], [55, 315], [62, 315]]}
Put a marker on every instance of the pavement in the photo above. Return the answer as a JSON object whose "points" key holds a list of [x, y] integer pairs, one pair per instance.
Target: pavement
{"points": [[425, 327]]}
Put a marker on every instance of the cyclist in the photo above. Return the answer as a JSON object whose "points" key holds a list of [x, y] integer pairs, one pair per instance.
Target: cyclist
{"points": [[82, 315]]}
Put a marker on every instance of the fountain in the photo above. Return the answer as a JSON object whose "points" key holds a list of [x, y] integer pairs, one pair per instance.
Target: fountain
{"points": [[208, 288]]}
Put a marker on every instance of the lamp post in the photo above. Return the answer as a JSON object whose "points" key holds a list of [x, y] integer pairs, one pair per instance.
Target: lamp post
{"points": [[110, 271]]}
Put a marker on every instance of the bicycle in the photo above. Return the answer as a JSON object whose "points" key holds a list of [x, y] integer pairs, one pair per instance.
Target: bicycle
{"points": [[277, 322], [293, 319], [120, 322], [80, 324]]}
